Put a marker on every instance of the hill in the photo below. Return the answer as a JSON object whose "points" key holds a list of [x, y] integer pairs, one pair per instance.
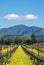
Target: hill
{"points": [[22, 30]]}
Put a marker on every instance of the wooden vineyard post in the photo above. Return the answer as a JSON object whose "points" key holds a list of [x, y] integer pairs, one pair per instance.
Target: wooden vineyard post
{"points": [[7, 55], [0, 50], [38, 50], [1, 58], [10, 50]]}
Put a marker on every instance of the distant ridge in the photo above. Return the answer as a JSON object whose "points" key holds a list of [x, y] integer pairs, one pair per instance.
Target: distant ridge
{"points": [[21, 30]]}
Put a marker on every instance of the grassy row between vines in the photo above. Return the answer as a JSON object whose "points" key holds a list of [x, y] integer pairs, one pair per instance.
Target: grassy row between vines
{"points": [[20, 57]]}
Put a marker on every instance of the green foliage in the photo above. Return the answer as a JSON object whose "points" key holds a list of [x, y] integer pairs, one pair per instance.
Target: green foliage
{"points": [[28, 42], [33, 38], [2, 41], [8, 42], [17, 41]]}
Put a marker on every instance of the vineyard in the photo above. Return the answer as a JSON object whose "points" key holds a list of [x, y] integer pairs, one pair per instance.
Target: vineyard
{"points": [[22, 54]]}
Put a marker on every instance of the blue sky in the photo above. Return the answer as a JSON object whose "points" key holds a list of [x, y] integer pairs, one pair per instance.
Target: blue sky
{"points": [[21, 8]]}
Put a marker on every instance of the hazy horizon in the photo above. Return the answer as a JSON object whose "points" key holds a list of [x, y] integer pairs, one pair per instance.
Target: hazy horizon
{"points": [[21, 25]]}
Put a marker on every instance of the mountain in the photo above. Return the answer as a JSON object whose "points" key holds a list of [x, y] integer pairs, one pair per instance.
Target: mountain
{"points": [[20, 30]]}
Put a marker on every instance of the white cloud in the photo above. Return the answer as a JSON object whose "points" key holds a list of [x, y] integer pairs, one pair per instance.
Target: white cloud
{"points": [[12, 17], [17, 17], [30, 17]]}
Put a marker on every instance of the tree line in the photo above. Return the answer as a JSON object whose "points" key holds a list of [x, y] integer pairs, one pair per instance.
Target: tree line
{"points": [[18, 41]]}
